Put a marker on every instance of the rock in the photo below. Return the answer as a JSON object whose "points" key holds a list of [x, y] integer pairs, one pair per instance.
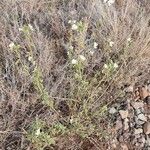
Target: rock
{"points": [[114, 143], [126, 135], [137, 136], [138, 131], [146, 128], [147, 100], [132, 124], [124, 147], [119, 124], [129, 89], [143, 92], [142, 117], [112, 110], [137, 105], [126, 124], [138, 111], [138, 122], [142, 139], [123, 113], [134, 141], [121, 139], [148, 141], [137, 144]]}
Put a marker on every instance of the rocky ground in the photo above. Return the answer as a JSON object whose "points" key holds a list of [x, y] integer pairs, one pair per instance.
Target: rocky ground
{"points": [[131, 120]]}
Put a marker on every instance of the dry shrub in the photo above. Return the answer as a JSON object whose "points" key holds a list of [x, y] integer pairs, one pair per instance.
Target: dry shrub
{"points": [[48, 44]]}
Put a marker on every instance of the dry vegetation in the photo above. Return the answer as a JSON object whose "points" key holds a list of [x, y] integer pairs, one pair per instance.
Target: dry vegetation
{"points": [[62, 64]]}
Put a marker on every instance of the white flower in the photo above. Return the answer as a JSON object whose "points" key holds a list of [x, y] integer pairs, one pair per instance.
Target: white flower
{"points": [[33, 62], [105, 66], [69, 21], [115, 65], [71, 47], [129, 39], [82, 57], [91, 52], [11, 45], [74, 61], [111, 43], [71, 120], [74, 27], [37, 132], [31, 27], [74, 21], [110, 2], [95, 45], [20, 29], [68, 53], [30, 58]]}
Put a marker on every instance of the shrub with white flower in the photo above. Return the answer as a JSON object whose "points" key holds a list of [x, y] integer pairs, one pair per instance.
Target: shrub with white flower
{"points": [[14, 47], [26, 29], [110, 67], [76, 25], [95, 46]]}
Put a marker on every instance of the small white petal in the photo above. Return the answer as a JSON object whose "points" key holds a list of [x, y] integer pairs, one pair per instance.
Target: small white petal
{"points": [[82, 57], [105, 66], [74, 27], [30, 26], [71, 47], [115, 65], [95, 45], [111, 43], [74, 61], [69, 21], [37, 132], [74, 21], [110, 2], [92, 52], [129, 39], [30, 58], [11, 45], [71, 120], [20, 29], [33, 62]]}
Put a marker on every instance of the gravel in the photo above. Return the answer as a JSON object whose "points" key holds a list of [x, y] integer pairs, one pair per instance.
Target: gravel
{"points": [[132, 125], [146, 128]]}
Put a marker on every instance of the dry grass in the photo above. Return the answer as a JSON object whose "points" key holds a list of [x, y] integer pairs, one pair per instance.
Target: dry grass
{"points": [[42, 89]]}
